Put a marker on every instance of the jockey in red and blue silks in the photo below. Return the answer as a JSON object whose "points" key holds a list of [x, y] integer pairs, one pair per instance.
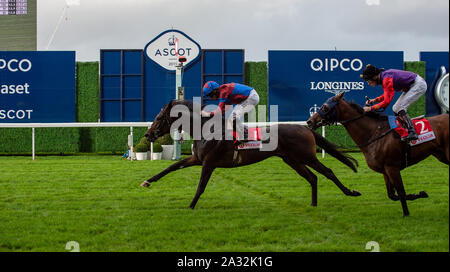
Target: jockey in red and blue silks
{"points": [[410, 84], [244, 97]]}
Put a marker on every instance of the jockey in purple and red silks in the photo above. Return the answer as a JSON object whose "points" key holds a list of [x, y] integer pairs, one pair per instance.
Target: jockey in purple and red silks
{"points": [[244, 97], [410, 84]]}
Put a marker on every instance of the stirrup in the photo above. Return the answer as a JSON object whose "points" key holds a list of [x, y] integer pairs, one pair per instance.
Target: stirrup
{"points": [[410, 137], [413, 137]]}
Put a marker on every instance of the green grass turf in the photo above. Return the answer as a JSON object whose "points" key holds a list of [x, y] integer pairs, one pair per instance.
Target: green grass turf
{"points": [[97, 201]]}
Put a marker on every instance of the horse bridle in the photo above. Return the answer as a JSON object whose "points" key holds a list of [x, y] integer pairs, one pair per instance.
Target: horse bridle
{"points": [[332, 117], [165, 120]]}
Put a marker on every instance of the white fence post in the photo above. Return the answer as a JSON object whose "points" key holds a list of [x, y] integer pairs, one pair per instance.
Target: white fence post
{"points": [[151, 148], [33, 149], [131, 146], [323, 135]]}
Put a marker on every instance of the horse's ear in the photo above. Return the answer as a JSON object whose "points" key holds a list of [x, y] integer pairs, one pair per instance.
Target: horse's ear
{"points": [[339, 96]]}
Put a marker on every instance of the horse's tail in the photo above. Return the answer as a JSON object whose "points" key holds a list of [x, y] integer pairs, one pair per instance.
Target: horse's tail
{"points": [[331, 149]]}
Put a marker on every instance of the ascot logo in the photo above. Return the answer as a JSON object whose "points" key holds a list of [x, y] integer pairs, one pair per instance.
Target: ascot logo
{"points": [[168, 46]]}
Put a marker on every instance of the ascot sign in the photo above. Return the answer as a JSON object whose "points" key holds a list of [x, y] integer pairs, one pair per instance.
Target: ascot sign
{"points": [[169, 45]]}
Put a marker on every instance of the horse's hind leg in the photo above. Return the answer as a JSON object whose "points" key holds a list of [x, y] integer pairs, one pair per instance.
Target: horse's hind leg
{"points": [[308, 175], [327, 172], [391, 192], [190, 161]]}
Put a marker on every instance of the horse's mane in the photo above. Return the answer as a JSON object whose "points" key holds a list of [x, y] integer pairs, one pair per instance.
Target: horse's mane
{"points": [[372, 114]]}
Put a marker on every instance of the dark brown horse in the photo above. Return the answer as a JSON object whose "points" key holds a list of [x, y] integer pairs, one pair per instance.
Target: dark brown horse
{"points": [[296, 146], [383, 150]]}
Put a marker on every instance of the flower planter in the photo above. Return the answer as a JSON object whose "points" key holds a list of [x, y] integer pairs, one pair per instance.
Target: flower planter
{"points": [[156, 156], [140, 156]]}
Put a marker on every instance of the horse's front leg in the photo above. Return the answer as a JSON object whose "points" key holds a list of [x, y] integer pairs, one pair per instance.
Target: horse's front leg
{"points": [[190, 161], [207, 171], [394, 176]]}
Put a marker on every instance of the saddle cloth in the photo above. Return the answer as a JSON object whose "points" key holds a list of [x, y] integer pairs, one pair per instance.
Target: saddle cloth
{"points": [[254, 139], [254, 134], [421, 125]]}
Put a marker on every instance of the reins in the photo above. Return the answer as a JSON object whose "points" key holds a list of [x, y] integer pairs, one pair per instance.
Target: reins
{"points": [[351, 120], [376, 139], [371, 141]]}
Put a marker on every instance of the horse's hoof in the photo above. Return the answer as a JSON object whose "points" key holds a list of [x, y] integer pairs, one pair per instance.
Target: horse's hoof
{"points": [[145, 184], [356, 193], [423, 194]]}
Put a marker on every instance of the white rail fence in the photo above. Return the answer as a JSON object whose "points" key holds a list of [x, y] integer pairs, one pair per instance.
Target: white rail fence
{"points": [[33, 127]]}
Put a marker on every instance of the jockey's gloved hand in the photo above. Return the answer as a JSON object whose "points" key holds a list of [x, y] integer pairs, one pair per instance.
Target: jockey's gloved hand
{"points": [[370, 101]]}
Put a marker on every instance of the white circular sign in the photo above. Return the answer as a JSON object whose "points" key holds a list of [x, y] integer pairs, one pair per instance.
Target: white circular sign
{"points": [[169, 45]]}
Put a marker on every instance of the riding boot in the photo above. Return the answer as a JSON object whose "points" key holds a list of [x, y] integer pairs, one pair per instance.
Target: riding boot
{"points": [[412, 135]]}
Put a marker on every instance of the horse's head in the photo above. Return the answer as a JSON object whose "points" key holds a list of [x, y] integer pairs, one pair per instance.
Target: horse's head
{"points": [[161, 124], [327, 114]]}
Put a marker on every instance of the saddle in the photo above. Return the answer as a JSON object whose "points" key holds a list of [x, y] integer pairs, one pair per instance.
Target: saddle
{"points": [[421, 125], [250, 134], [252, 140]]}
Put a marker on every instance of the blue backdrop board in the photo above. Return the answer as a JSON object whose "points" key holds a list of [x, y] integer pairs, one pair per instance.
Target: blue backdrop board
{"points": [[122, 85], [300, 81], [222, 66], [37, 86], [433, 62]]}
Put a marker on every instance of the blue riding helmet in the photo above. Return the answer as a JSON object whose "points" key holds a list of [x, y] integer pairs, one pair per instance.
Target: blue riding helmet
{"points": [[209, 87]]}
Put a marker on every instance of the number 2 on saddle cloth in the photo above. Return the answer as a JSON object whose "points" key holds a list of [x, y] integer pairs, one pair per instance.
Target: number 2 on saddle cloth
{"points": [[421, 125]]}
